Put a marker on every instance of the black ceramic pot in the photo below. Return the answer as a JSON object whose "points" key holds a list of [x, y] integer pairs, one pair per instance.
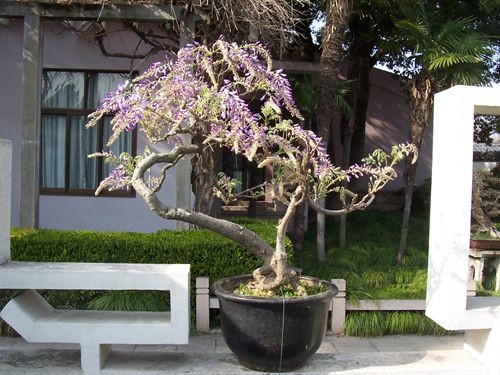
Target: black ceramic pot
{"points": [[266, 334]]}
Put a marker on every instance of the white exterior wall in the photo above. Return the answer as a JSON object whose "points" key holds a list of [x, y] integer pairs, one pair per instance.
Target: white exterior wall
{"points": [[64, 50], [5, 189]]}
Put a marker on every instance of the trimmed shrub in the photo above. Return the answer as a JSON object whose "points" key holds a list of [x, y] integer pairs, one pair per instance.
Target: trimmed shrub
{"points": [[208, 253]]}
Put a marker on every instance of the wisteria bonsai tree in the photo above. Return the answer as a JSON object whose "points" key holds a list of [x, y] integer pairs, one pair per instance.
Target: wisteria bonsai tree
{"points": [[226, 95]]}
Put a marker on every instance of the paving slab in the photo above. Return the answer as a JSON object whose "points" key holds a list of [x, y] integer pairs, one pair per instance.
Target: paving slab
{"points": [[347, 345], [208, 355]]}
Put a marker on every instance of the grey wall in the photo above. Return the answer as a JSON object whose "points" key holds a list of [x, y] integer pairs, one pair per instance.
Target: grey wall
{"points": [[387, 123], [11, 43], [65, 50]]}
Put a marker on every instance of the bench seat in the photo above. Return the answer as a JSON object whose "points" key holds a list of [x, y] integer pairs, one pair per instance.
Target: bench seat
{"points": [[91, 276]]}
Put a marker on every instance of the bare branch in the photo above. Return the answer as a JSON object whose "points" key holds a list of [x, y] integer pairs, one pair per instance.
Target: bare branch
{"points": [[149, 38], [99, 37], [270, 21], [363, 204]]}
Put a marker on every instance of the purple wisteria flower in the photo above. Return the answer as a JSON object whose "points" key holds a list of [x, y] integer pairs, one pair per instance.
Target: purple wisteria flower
{"points": [[228, 96], [118, 179]]}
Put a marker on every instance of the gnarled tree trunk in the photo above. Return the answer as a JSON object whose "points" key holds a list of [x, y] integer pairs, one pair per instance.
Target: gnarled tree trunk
{"points": [[421, 99], [203, 178]]}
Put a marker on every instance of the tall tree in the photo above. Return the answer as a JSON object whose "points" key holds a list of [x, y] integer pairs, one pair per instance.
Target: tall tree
{"points": [[370, 20], [439, 54], [336, 20]]}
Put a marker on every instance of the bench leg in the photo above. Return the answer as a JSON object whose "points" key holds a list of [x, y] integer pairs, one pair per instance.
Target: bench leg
{"points": [[484, 345], [93, 357]]}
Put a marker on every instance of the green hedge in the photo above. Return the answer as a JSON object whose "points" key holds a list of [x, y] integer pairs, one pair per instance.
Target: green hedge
{"points": [[208, 253]]}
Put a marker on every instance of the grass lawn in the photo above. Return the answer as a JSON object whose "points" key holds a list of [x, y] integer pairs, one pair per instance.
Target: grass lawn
{"points": [[367, 262]]}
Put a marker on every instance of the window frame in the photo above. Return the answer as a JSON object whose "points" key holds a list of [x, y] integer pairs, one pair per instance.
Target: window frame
{"points": [[84, 112]]}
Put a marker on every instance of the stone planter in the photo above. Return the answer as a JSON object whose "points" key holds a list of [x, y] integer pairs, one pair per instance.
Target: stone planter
{"points": [[493, 244]]}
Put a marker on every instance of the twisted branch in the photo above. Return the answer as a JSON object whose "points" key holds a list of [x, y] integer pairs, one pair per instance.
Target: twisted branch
{"points": [[235, 232]]}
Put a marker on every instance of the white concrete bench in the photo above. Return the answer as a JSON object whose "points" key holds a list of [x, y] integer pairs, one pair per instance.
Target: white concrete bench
{"points": [[32, 317]]}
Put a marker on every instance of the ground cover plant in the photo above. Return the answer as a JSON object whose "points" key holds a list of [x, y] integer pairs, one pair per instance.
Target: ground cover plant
{"points": [[379, 323]]}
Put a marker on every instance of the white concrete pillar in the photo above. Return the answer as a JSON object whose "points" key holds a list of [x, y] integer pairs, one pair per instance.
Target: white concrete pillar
{"points": [[202, 305], [5, 198], [93, 357], [339, 307], [496, 263], [180, 307], [484, 345], [447, 300]]}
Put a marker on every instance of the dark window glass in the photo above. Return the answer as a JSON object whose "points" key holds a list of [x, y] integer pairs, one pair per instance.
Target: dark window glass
{"points": [[67, 99]]}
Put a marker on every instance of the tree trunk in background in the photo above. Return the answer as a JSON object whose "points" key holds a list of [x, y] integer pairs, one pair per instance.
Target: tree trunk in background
{"points": [[254, 181], [301, 219], [337, 17], [203, 178], [361, 63], [299, 228], [421, 97], [346, 150]]}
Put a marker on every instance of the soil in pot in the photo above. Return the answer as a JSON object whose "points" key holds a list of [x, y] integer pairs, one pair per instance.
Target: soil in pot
{"points": [[272, 334]]}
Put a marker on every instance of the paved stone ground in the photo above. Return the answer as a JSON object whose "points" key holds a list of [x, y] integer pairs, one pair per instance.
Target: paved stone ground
{"points": [[208, 354]]}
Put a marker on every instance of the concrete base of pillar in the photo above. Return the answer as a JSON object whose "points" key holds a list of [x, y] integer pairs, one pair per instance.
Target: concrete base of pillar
{"points": [[484, 344]]}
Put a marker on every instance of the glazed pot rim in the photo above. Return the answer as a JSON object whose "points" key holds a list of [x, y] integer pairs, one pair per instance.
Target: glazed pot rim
{"points": [[219, 290]]}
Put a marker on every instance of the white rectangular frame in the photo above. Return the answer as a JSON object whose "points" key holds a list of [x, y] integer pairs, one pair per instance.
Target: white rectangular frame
{"points": [[449, 235]]}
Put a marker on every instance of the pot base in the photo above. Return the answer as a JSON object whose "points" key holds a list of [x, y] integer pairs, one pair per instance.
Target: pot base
{"points": [[272, 368], [267, 335]]}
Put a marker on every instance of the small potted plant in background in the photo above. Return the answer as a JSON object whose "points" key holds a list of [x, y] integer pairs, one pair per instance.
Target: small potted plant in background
{"points": [[485, 207], [227, 96]]}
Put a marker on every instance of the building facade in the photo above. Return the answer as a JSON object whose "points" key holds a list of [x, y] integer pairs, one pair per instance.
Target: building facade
{"points": [[53, 73]]}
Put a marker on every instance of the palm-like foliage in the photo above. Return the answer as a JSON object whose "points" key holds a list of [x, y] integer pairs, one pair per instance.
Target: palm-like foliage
{"points": [[436, 54], [452, 52], [306, 95]]}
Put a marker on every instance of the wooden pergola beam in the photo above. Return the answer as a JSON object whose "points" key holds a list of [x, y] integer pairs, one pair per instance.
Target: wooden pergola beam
{"points": [[81, 11]]}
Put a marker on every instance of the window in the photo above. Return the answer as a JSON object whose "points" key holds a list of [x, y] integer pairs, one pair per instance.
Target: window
{"points": [[239, 168], [67, 98]]}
